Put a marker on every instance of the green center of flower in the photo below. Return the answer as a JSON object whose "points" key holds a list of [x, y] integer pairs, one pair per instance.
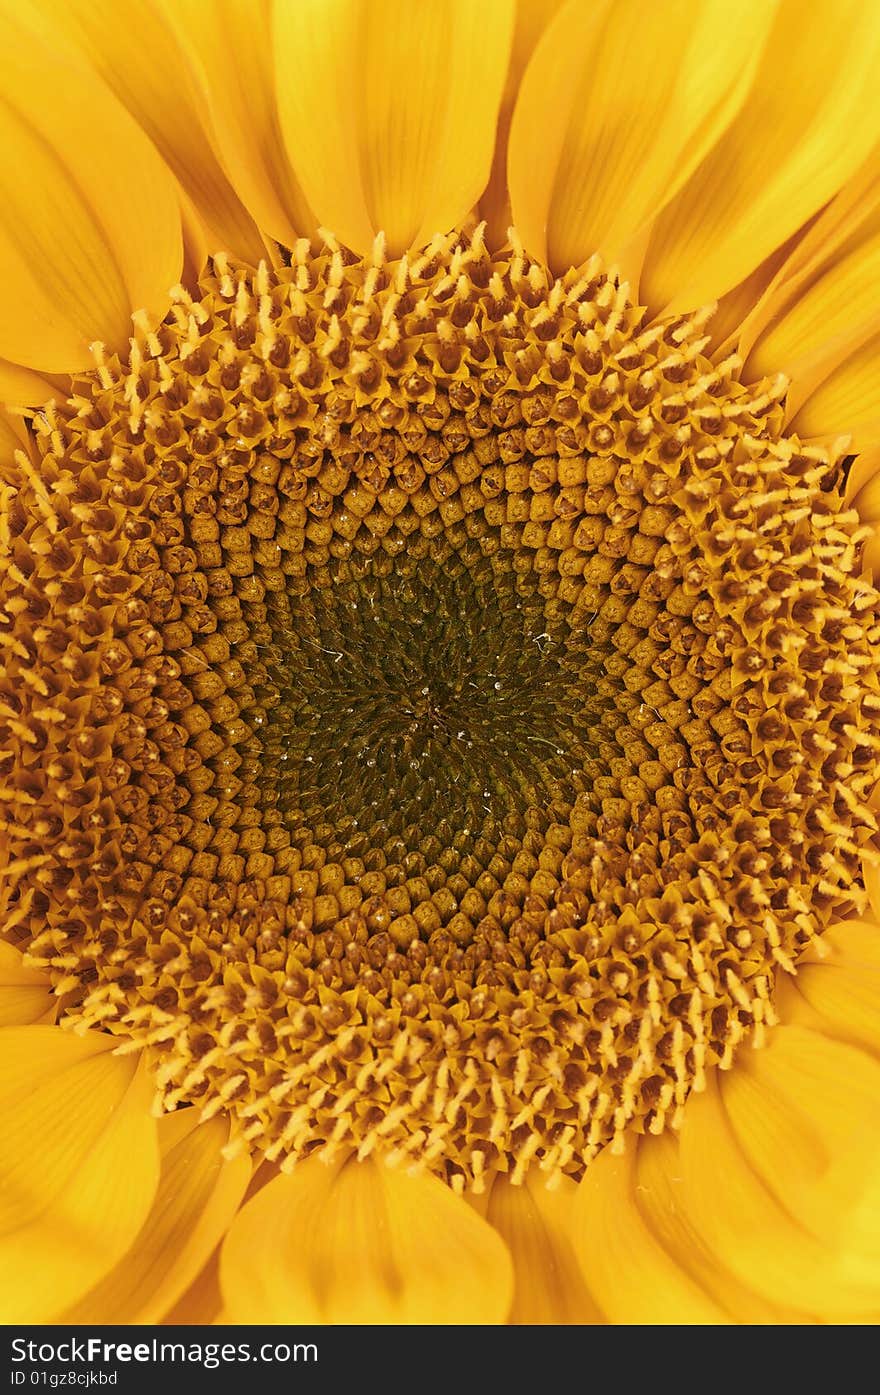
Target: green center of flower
{"points": [[432, 690]]}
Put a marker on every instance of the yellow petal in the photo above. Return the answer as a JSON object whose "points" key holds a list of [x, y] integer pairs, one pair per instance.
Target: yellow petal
{"points": [[202, 1303], [198, 1195], [21, 387], [848, 401], [25, 994], [658, 1197], [809, 122], [862, 485], [840, 993], [843, 228], [13, 435], [534, 1224], [389, 111], [852, 944], [871, 554], [229, 46], [532, 18], [779, 1172], [617, 108], [871, 878], [195, 244], [78, 1165], [362, 1243], [815, 1104], [629, 1273], [830, 318], [90, 228], [733, 309], [136, 52]]}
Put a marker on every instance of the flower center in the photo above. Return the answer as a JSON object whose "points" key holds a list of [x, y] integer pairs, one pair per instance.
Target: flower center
{"points": [[437, 703], [430, 687]]}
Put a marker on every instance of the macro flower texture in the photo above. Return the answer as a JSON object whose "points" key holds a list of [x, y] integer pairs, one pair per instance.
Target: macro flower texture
{"points": [[439, 691]]}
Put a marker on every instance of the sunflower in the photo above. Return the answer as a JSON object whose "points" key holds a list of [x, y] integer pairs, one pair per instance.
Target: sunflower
{"points": [[439, 703]]}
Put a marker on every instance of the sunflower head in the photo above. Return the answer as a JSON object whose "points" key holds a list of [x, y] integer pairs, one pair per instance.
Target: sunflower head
{"points": [[454, 701], [439, 701]]}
